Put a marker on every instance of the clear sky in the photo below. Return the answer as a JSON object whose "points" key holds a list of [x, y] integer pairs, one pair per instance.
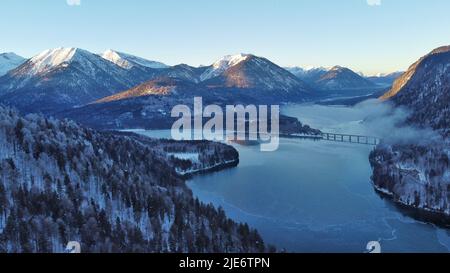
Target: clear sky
{"points": [[366, 35]]}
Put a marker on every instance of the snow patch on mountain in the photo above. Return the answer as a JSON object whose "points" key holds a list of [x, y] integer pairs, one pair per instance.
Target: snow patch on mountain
{"points": [[128, 61]]}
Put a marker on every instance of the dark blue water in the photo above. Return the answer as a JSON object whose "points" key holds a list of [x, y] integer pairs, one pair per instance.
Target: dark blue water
{"points": [[316, 196]]}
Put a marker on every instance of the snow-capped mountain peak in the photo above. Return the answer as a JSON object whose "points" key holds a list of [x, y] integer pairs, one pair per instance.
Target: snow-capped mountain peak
{"points": [[223, 64], [230, 60], [338, 68], [309, 74], [9, 61], [52, 58], [317, 68], [128, 61]]}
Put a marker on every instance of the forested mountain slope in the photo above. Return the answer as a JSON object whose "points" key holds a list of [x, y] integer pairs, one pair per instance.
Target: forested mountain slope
{"points": [[60, 182], [416, 173]]}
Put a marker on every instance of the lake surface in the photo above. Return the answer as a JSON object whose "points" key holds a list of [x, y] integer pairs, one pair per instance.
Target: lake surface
{"points": [[315, 196]]}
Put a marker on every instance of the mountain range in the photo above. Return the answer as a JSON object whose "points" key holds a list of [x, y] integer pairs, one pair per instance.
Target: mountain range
{"points": [[71, 80], [310, 75], [64, 78], [385, 79], [238, 79]]}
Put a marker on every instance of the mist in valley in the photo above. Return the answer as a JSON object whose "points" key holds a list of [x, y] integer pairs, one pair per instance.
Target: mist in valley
{"points": [[372, 118]]}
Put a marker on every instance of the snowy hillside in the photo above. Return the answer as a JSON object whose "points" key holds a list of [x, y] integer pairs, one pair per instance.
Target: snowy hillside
{"points": [[414, 175], [9, 61], [63, 79], [113, 193], [425, 89], [184, 72]]}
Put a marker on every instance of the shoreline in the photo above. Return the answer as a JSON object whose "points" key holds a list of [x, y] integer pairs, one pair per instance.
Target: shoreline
{"points": [[212, 169], [428, 216]]}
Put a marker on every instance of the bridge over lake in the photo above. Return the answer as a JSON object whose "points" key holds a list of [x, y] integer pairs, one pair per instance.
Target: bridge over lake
{"points": [[357, 139], [336, 137]]}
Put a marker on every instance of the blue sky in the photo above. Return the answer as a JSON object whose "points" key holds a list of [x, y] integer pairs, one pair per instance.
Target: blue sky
{"points": [[386, 36]]}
